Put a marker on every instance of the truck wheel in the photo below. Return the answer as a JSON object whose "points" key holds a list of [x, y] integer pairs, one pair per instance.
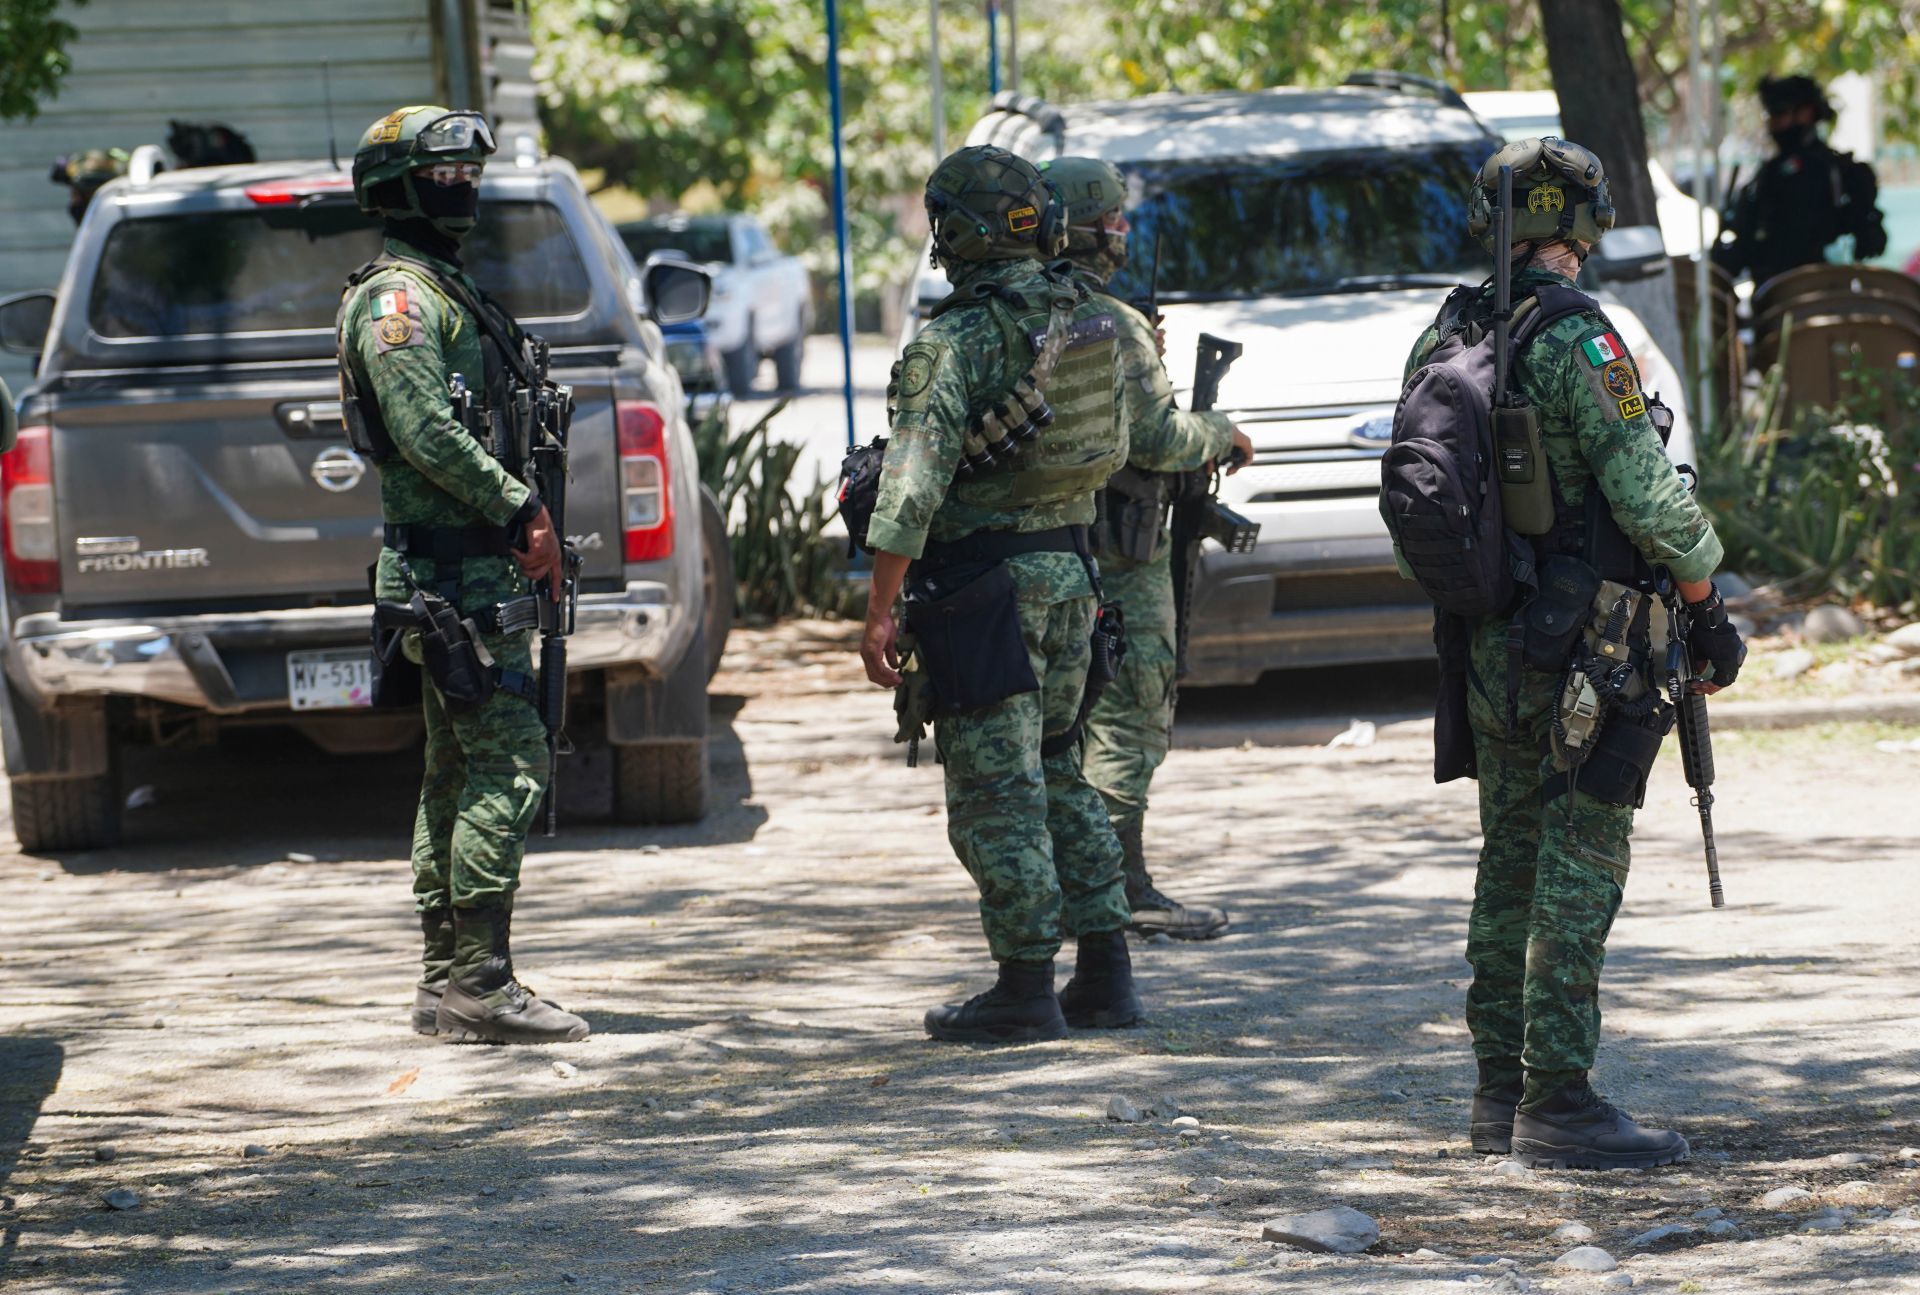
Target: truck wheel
{"points": [[66, 813], [660, 782], [716, 575], [786, 363], [742, 365]]}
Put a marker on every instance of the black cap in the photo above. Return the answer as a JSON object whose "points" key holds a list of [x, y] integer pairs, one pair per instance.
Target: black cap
{"points": [[1785, 93]]}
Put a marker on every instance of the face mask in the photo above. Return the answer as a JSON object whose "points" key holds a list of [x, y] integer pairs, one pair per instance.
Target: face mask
{"points": [[1789, 137], [452, 209]]}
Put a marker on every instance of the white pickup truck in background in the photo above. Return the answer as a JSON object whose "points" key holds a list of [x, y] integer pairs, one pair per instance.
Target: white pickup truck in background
{"points": [[762, 305]]}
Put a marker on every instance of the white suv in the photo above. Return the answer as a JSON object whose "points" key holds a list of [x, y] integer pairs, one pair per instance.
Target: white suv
{"points": [[1321, 229]]}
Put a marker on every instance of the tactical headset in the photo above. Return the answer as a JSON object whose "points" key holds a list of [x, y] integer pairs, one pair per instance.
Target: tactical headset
{"points": [[1542, 170], [963, 233]]}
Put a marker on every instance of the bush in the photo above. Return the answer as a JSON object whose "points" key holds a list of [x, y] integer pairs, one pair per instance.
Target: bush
{"points": [[1823, 501], [784, 562]]}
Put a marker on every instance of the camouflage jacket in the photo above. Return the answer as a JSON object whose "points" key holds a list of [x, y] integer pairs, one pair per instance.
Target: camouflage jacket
{"points": [[962, 363], [405, 338], [1594, 429]]}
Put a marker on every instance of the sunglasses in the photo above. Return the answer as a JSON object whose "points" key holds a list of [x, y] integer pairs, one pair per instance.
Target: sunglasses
{"points": [[450, 173]]}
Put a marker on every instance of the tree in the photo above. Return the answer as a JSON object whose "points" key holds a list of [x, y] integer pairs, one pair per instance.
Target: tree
{"points": [[33, 56], [1600, 98]]}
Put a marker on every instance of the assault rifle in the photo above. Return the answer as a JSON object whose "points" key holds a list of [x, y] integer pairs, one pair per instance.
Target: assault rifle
{"points": [[1198, 513], [541, 415], [1696, 743]]}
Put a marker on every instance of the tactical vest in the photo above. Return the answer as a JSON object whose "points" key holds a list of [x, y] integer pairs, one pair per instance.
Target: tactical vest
{"points": [[1085, 444], [501, 342]]}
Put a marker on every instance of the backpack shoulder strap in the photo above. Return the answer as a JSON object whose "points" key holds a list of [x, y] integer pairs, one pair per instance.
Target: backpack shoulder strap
{"points": [[1553, 302]]}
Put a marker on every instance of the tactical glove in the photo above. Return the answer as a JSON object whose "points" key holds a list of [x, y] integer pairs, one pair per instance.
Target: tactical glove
{"points": [[1712, 639]]}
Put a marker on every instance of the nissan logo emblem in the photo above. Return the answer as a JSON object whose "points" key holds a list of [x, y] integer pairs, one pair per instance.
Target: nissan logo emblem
{"points": [[337, 469]]}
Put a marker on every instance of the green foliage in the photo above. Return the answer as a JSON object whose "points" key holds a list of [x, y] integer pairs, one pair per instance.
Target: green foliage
{"points": [[1823, 501], [784, 562], [33, 56]]}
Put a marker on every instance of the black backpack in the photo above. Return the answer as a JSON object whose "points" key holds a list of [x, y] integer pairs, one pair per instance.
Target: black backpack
{"points": [[1438, 491]]}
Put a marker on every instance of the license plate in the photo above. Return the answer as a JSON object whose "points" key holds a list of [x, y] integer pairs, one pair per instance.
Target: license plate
{"points": [[334, 679]]}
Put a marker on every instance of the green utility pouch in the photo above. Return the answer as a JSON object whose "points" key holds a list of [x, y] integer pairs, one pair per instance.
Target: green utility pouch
{"points": [[966, 626], [450, 648], [1615, 771], [1554, 617]]}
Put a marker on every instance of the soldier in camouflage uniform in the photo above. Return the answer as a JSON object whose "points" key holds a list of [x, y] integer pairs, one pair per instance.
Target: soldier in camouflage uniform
{"points": [[457, 524], [83, 174], [1129, 729], [1551, 872], [1023, 820]]}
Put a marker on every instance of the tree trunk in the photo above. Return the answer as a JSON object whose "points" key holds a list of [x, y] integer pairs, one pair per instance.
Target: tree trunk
{"points": [[1600, 108]]}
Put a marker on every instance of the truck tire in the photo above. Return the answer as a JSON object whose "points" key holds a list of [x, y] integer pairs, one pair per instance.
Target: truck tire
{"points": [[742, 365], [660, 782], [52, 814], [786, 363], [716, 574]]}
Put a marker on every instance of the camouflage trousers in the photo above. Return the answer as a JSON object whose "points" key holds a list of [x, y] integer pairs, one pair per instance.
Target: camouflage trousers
{"points": [[486, 767], [1548, 888], [1132, 724], [1031, 832]]}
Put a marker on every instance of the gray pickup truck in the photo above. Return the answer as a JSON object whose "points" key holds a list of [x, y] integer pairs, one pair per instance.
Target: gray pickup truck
{"points": [[187, 533]]}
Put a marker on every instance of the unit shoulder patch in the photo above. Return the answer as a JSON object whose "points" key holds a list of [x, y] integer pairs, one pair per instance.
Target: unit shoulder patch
{"points": [[919, 366], [1619, 379], [1633, 406], [393, 307]]}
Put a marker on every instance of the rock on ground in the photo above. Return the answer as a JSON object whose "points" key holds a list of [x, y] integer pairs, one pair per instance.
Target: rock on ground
{"points": [[1587, 1259], [1832, 623], [1123, 1110], [1780, 1197], [1341, 1229]]}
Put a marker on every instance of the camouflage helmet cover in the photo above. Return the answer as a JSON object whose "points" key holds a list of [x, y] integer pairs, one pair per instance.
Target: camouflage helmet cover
{"points": [[92, 168], [986, 204], [1559, 192], [1091, 189], [414, 136]]}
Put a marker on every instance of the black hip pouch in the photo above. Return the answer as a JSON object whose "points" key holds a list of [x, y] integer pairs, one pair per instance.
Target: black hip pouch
{"points": [[450, 648], [1556, 615], [396, 680], [966, 625], [1615, 771]]}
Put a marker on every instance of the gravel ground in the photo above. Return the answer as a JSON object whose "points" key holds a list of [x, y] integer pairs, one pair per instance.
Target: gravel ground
{"points": [[213, 1020]]}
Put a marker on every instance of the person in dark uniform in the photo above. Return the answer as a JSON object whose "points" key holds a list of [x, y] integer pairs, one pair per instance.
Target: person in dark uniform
{"points": [[1804, 198]]}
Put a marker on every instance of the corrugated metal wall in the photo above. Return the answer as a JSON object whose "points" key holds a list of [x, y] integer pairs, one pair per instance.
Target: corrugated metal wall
{"points": [[254, 65]]}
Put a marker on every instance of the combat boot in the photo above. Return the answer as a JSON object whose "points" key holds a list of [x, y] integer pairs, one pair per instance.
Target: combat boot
{"points": [[1576, 1128], [1154, 913], [1020, 1008], [1101, 996], [1499, 1091], [436, 961], [483, 1002]]}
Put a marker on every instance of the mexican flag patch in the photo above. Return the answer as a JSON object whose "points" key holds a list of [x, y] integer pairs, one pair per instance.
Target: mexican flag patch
{"points": [[395, 303], [1603, 350]]}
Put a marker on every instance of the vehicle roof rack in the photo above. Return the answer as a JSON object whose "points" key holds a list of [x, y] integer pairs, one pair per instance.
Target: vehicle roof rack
{"points": [[1378, 80], [147, 161], [1023, 111]]}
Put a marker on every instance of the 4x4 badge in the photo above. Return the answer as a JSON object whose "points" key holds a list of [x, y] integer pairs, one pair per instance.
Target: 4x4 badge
{"points": [[337, 469]]}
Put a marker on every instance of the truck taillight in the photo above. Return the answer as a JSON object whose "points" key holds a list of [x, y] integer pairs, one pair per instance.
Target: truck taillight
{"points": [[646, 502], [26, 513]]}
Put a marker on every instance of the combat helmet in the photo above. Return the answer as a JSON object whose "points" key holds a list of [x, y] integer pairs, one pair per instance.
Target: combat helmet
{"points": [[84, 173], [1090, 189], [986, 204], [419, 136], [1559, 192]]}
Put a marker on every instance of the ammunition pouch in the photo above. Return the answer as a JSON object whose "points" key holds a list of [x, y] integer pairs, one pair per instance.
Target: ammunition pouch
{"points": [[1526, 486], [1132, 514], [1554, 617], [965, 620]]}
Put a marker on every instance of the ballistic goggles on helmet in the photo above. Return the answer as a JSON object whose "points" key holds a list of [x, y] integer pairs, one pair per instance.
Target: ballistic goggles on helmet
{"points": [[456, 132]]}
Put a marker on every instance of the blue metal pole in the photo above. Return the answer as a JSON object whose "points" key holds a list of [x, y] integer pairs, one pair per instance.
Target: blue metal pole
{"points": [[993, 46], [840, 211]]}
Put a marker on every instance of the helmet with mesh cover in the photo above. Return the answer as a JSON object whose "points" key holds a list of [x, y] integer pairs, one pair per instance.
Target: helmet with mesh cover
{"points": [[986, 204]]}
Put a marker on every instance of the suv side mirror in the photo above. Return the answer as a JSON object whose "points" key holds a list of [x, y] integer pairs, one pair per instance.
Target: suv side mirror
{"points": [[676, 291], [1628, 254], [24, 318]]}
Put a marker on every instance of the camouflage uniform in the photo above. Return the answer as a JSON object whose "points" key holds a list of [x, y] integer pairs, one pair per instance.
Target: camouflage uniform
{"points": [[1130, 727], [486, 768], [1550, 881], [1031, 832]]}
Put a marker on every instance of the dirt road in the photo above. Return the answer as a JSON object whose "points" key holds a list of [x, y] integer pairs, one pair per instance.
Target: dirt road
{"points": [[212, 1020]]}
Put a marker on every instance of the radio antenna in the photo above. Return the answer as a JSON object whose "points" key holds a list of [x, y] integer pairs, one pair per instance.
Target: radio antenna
{"points": [[326, 84]]}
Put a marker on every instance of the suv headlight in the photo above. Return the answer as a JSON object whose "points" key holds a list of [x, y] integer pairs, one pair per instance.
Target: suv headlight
{"points": [[1372, 431]]}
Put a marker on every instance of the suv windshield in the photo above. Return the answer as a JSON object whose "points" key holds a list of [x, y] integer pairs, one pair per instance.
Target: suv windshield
{"points": [[702, 242], [1320, 223], [274, 269]]}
